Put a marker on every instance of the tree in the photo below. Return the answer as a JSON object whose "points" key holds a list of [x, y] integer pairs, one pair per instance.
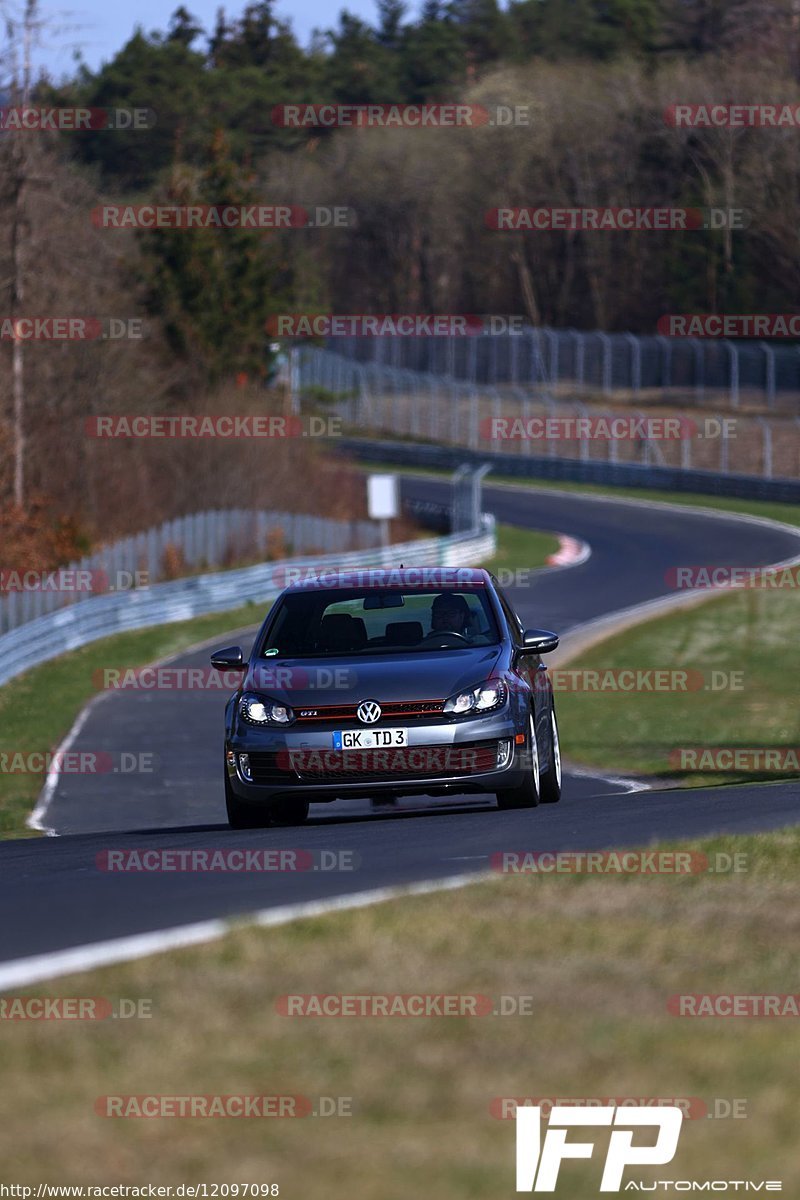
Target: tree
{"points": [[183, 27], [484, 29], [158, 73], [390, 23], [358, 69], [213, 288], [434, 54], [594, 29]]}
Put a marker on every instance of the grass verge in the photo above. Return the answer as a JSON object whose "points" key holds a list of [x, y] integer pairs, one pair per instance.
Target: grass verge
{"points": [[38, 709], [598, 956], [741, 658]]}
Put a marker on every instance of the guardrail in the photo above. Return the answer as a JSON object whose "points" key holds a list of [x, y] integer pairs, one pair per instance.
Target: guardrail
{"points": [[86, 621], [623, 475], [201, 540]]}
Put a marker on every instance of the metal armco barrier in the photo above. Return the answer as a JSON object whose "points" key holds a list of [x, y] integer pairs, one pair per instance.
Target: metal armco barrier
{"points": [[201, 540], [627, 475], [86, 621]]}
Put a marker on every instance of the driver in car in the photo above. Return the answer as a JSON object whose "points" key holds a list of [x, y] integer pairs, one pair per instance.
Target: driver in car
{"points": [[450, 614]]}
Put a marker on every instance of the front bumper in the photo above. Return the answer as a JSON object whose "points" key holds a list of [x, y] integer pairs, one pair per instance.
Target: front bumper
{"points": [[473, 755]]}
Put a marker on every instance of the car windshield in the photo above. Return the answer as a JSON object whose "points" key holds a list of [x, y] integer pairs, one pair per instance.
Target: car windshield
{"points": [[370, 621]]}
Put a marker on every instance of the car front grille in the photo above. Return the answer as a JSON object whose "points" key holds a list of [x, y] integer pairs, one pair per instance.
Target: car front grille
{"points": [[401, 763], [391, 711]]}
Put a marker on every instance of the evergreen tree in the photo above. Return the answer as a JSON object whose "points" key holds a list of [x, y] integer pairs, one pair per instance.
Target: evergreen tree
{"points": [[213, 288]]}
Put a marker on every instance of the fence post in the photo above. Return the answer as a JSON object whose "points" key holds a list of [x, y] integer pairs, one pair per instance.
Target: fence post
{"points": [[473, 433], [605, 342], [666, 363], [699, 371], [724, 450], [766, 465], [733, 353], [580, 359], [636, 362], [455, 414], [457, 481], [552, 346], [476, 480], [514, 358], [770, 374], [613, 447], [583, 412]]}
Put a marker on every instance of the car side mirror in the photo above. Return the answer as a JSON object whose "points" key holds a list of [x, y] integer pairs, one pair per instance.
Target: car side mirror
{"points": [[538, 641], [229, 659]]}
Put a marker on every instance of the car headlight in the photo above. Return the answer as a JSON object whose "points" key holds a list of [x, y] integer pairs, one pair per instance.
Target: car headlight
{"points": [[257, 710], [480, 699]]}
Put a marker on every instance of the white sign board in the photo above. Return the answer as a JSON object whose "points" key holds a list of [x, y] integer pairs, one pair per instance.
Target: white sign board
{"points": [[382, 497]]}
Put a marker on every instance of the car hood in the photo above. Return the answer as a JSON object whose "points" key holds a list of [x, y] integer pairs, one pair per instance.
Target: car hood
{"points": [[426, 675]]}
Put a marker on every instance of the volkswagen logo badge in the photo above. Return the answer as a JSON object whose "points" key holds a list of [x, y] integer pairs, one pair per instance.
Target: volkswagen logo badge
{"points": [[369, 711]]}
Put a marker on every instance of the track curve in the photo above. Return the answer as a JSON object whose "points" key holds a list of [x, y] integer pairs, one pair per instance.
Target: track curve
{"points": [[54, 896]]}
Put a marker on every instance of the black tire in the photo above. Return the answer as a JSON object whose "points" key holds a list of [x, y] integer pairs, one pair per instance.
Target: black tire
{"points": [[243, 816], [550, 783], [292, 810], [527, 794]]}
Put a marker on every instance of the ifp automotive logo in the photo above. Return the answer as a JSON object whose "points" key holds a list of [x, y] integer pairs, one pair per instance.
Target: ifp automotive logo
{"points": [[538, 1165]]}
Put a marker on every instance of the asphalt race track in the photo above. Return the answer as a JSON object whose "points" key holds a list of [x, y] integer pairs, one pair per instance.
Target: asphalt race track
{"points": [[53, 896]]}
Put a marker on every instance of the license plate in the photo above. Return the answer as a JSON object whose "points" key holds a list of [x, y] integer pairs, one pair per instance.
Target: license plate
{"points": [[369, 739]]}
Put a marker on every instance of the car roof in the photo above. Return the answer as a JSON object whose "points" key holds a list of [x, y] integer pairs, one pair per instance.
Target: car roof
{"points": [[407, 578]]}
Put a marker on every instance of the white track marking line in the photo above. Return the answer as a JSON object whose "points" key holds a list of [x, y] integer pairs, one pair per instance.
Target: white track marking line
{"points": [[37, 819], [24, 972]]}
